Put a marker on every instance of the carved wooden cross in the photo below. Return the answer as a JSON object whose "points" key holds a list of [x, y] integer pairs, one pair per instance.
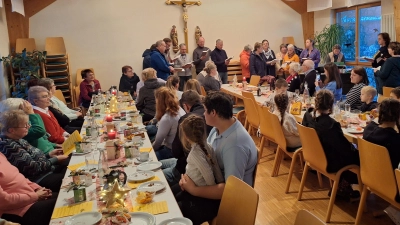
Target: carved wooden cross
{"points": [[185, 16]]}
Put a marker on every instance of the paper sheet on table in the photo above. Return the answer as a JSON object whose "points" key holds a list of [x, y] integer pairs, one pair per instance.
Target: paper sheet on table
{"points": [[145, 149], [152, 208], [72, 210], [78, 165], [134, 185], [69, 144]]}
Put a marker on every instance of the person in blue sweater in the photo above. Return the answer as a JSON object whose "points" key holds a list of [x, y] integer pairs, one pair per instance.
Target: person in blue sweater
{"points": [[158, 61], [333, 82]]}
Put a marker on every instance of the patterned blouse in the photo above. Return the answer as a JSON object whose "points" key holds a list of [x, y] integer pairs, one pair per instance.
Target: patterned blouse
{"points": [[353, 96]]}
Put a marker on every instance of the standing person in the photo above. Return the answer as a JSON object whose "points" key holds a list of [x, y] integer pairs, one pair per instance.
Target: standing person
{"points": [[333, 82], [88, 87], [146, 101], [147, 56], [311, 53], [335, 55], [257, 62], [158, 61], [269, 57], [184, 61], [245, 62], [280, 55], [200, 59], [383, 53], [359, 78], [128, 81], [167, 53], [220, 59], [389, 74], [310, 76]]}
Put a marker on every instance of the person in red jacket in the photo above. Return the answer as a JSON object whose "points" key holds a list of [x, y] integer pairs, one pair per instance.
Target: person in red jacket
{"points": [[88, 87], [245, 62], [39, 97]]}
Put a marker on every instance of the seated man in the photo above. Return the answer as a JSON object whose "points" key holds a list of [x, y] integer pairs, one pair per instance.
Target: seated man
{"points": [[128, 81], [236, 155], [88, 87]]}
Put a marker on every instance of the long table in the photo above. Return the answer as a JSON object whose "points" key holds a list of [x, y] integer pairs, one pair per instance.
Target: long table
{"points": [[237, 92], [166, 195]]}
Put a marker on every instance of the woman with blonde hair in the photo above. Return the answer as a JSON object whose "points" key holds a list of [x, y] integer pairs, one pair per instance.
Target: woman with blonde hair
{"points": [[210, 83], [173, 85], [168, 113], [194, 85], [146, 101]]}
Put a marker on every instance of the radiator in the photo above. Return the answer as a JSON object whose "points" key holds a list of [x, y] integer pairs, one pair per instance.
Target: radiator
{"points": [[387, 25]]}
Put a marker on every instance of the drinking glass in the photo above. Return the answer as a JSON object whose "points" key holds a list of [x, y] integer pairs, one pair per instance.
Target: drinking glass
{"points": [[95, 133], [347, 108], [89, 160], [297, 92]]}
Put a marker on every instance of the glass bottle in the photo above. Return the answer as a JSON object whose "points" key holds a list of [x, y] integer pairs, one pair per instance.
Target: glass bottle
{"points": [[102, 165]]}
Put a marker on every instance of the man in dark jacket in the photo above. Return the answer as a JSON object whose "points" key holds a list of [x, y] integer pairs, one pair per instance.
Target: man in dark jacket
{"points": [[128, 81], [147, 57], [220, 59], [158, 61], [310, 76], [173, 168]]}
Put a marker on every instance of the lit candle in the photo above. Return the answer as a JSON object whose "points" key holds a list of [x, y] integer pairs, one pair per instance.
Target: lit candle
{"points": [[114, 92], [109, 118], [111, 135]]}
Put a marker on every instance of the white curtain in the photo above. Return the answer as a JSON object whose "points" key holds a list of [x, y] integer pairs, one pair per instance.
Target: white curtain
{"points": [[317, 5], [4, 86], [350, 3]]}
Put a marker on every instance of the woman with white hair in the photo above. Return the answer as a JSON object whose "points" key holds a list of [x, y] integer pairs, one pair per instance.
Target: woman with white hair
{"points": [[37, 135], [39, 97], [289, 58], [293, 79]]}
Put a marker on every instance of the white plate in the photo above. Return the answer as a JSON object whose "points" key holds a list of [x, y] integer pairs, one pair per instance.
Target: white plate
{"points": [[141, 218], [177, 221], [149, 166], [85, 218], [142, 175], [137, 161], [354, 131], [156, 186]]}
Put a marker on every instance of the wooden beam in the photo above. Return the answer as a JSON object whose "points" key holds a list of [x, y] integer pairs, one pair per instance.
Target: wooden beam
{"points": [[34, 6], [307, 20], [396, 6], [18, 25], [300, 6]]}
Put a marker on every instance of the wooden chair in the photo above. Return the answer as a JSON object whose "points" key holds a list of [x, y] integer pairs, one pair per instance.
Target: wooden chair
{"points": [[266, 129], [246, 204], [249, 95], [254, 80], [28, 43], [288, 40], [314, 157], [305, 217], [203, 91], [377, 175], [55, 46], [386, 91], [77, 92], [78, 78], [281, 150], [252, 117], [241, 116], [381, 98], [60, 96]]}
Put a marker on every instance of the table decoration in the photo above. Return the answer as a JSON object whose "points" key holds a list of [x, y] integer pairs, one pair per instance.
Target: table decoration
{"points": [[115, 195]]}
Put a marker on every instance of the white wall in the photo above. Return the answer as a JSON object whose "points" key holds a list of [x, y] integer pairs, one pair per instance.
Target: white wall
{"points": [[387, 7], [106, 34], [4, 50]]}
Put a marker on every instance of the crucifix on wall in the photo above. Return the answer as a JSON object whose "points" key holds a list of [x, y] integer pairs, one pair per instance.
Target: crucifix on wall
{"points": [[185, 16]]}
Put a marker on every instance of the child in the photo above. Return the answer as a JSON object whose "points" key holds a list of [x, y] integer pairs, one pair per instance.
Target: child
{"points": [[288, 122], [281, 87], [368, 94], [395, 93]]}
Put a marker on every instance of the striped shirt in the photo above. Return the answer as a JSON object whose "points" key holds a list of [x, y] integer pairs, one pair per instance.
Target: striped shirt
{"points": [[353, 96]]}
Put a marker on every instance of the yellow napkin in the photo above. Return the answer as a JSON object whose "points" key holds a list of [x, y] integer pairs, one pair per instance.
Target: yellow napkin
{"points": [[72, 210], [69, 144], [78, 165], [145, 149], [134, 185], [152, 208]]}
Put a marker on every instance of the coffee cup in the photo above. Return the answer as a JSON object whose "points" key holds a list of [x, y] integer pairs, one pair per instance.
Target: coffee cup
{"points": [[144, 156]]}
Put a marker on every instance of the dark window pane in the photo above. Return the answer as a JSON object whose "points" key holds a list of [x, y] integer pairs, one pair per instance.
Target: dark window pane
{"points": [[348, 20]]}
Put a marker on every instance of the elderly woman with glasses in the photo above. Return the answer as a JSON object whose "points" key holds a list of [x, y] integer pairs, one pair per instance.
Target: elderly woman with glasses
{"points": [[30, 161], [39, 97]]}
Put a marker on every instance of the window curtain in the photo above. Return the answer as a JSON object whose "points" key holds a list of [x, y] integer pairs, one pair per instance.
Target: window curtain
{"points": [[317, 5]]}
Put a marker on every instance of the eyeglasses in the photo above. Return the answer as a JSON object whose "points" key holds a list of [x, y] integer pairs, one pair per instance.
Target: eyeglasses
{"points": [[45, 96], [27, 126]]}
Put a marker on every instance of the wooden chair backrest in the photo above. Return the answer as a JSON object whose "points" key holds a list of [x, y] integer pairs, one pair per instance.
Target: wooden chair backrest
{"points": [[237, 208], [77, 91], [305, 217], [266, 128], [288, 40], [249, 95], [60, 96], [386, 91], [312, 148], [279, 137], [203, 91], [78, 78], [254, 80], [376, 169], [381, 98], [55, 46], [28, 43], [251, 112], [397, 175]]}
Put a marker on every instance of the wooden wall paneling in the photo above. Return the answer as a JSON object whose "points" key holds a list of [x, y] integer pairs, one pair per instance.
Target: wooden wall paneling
{"points": [[307, 20], [300, 6], [396, 6], [18, 25], [34, 6]]}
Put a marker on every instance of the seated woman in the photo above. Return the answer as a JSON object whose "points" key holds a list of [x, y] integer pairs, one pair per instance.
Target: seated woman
{"points": [[194, 85], [37, 135], [200, 77], [335, 55], [23, 201], [293, 79], [30, 161], [146, 102], [88, 87], [39, 97], [128, 81], [210, 83], [359, 78], [338, 150], [289, 58], [333, 82], [168, 113], [173, 85], [66, 117], [288, 122]]}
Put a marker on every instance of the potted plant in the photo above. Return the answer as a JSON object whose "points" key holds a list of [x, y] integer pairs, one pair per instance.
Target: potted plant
{"points": [[28, 67], [327, 38]]}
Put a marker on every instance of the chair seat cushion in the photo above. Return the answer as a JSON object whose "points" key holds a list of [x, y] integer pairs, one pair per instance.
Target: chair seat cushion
{"points": [[289, 149]]}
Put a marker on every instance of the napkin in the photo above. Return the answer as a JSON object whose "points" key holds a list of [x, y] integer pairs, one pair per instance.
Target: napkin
{"points": [[78, 165], [152, 208], [145, 149], [71, 210], [134, 185], [69, 144]]}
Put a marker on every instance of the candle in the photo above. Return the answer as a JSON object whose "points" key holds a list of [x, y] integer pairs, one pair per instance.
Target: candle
{"points": [[111, 135], [114, 92], [109, 118]]}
